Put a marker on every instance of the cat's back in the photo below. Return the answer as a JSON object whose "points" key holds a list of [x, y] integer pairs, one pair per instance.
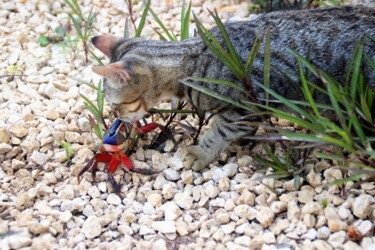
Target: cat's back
{"points": [[347, 19]]}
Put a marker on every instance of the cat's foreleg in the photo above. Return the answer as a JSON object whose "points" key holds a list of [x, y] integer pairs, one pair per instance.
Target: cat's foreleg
{"points": [[225, 128]]}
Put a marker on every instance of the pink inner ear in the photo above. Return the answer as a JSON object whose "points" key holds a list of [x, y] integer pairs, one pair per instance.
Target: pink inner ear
{"points": [[113, 70], [105, 43]]}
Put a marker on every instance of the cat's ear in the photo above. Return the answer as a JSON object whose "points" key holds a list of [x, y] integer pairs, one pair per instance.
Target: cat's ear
{"points": [[105, 43], [113, 71]]}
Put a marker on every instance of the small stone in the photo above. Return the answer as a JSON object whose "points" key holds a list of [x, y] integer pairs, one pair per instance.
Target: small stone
{"points": [[211, 190], [169, 146], [344, 213], [242, 241], [171, 174], [155, 199], [245, 161], [171, 211], [84, 124], [330, 213], [311, 234], [184, 200], [280, 226], [91, 227], [39, 158], [159, 244], [228, 228], [350, 245], [4, 137], [5, 148], [24, 201], [222, 217], [363, 227], [129, 217], [17, 241], [230, 169], [323, 233], [265, 216], [224, 184], [181, 228], [246, 198], [332, 174], [314, 179], [73, 137], [305, 196], [336, 225], [66, 193], [125, 229], [114, 199], [165, 227], [294, 212], [168, 190], [52, 114], [278, 206], [309, 220], [312, 208], [65, 216], [187, 177], [320, 244], [144, 230], [18, 131], [337, 239], [290, 186], [39, 227], [49, 178], [269, 238], [362, 206]]}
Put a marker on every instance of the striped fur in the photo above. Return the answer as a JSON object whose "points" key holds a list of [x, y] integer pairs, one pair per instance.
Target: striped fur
{"points": [[142, 72]]}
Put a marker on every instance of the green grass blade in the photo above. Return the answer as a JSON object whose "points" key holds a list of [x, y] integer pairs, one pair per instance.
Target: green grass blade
{"points": [[267, 63], [306, 91], [77, 26], [331, 88], [356, 71], [273, 157], [97, 59], [215, 94], [84, 82], [100, 98], [143, 19], [355, 177], [218, 81], [185, 20], [252, 55], [236, 58], [162, 26], [93, 109], [288, 103], [218, 50]]}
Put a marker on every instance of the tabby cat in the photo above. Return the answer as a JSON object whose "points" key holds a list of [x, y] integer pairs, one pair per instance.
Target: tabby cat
{"points": [[143, 72]]}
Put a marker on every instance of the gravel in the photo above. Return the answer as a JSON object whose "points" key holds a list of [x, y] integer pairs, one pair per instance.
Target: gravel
{"points": [[227, 205]]}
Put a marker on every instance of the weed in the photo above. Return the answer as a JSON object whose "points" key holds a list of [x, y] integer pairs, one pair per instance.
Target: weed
{"points": [[68, 149]]}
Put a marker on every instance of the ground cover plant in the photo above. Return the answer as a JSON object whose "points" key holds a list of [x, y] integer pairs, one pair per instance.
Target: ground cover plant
{"points": [[350, 140]]}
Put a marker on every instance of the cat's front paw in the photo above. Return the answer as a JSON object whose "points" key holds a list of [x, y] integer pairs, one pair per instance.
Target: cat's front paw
{"points": [[198, 157]]}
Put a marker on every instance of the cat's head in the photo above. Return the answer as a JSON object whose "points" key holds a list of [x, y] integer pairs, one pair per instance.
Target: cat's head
{"points": [[126, 84]]}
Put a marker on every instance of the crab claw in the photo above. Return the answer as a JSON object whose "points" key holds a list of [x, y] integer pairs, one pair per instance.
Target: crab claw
{"points": [[112, 136], [127, 162], [149, 127]]}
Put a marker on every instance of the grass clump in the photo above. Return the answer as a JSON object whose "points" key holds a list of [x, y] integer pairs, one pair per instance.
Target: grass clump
{"points": [[349, 141]]}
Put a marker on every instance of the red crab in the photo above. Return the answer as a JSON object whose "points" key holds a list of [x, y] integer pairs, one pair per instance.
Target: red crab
{"points": [[112, 152]]}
